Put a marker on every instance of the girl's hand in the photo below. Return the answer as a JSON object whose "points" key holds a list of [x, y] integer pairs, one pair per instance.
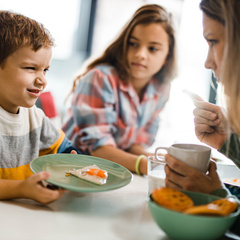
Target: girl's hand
{"points": [[32, 188], [180, 176]]}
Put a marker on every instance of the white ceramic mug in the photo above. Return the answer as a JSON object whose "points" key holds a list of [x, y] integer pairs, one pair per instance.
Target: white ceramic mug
{"points": [[194, 155]]}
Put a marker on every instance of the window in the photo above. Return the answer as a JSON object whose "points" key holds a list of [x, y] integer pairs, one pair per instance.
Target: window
{"points": [[59, 17]]}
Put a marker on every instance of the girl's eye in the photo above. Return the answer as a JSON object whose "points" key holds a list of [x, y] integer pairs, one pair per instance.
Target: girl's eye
{"points": [[133, 44], [153, 49]]}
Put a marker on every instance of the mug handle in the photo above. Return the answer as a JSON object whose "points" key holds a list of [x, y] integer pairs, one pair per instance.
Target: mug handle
{"points": [[156, 153]]}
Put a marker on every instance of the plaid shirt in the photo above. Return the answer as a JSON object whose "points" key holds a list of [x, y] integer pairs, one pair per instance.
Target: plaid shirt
{"points": [[106, 111]]}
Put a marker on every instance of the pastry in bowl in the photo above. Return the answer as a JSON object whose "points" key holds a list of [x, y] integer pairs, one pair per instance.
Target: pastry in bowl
{"points": [[181, 226], [171, 199], [220, 207]]}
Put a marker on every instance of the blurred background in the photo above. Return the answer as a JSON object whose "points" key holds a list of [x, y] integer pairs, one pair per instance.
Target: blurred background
{"points": [[84, 28]]}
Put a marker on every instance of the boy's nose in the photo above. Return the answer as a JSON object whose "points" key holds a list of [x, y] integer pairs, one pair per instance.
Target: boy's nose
{"points": [[42, 81]]}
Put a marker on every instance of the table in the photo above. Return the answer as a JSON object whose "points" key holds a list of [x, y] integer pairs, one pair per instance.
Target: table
{"points": [[118, 214]]}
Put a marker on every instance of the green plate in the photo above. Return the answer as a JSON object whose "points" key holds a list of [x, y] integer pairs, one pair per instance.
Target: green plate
{"points": [[58, 164]]}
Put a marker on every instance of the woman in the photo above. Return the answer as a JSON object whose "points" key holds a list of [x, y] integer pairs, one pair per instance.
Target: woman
{"points": [[221, 21], [116, 103]]}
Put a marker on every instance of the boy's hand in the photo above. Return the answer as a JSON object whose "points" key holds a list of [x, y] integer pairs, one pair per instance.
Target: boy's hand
{"points": [[33, 189]]}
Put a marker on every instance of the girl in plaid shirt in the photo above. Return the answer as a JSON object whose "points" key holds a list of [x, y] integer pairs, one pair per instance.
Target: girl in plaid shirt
{"points": [[116, 103]]}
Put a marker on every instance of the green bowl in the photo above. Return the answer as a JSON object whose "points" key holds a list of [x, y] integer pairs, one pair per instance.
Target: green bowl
{"points": [[182, 226]]}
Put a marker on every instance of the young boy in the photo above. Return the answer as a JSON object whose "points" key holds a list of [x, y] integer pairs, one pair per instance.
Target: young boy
{"points": [[25, 132]]}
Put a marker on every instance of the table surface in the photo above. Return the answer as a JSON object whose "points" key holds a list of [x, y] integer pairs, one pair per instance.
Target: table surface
{"points": [[118, 214]]}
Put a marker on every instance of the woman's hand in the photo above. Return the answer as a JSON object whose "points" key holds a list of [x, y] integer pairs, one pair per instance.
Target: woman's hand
{"points": [[32, 188], [211, 126], [180, 176]]}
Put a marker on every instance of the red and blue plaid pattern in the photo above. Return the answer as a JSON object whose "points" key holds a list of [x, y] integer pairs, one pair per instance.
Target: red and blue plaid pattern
{"points": [[107, 111]]}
